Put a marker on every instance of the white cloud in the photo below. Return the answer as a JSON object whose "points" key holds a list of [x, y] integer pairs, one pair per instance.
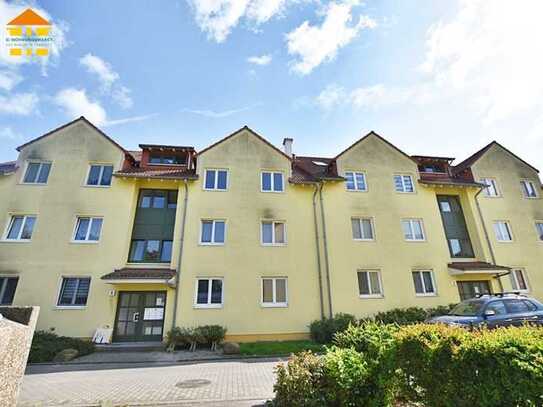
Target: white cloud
{"points": [[75, 103], [218, 17], [490, 52], [7, 133], [313, 45], [332, 96], [9, 79], [8, 11], [125, 120], [218, 115], [101, 68], [260, 60], [121, 95], [21, 104], [109, 79]]}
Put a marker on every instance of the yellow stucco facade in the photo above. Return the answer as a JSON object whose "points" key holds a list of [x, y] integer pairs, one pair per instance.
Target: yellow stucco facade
{"points": [[319, 254]]}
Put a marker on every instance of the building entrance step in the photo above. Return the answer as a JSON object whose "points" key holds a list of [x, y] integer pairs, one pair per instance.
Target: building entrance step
{"points": [[131, 347]]}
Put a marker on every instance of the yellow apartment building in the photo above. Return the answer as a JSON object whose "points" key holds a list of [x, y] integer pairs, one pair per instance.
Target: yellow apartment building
{"points": [[253, 237]]}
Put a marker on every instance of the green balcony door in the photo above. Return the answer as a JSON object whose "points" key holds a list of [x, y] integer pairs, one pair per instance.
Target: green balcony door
{"points": [[140, 316]]}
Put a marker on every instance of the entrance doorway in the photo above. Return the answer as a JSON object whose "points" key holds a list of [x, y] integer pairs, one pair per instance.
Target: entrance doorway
{"points": [[140, 316], [468, 289]]}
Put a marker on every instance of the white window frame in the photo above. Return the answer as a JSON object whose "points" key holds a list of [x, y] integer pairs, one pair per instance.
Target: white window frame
{"points": [[411, 220], [538, 233], [534, 186], [75, 307], [101, 165], [403, 191], [272, 172], [41, 162], [425, 294], [491, 183], [514, 279], [273, 222], [216, 185], [363, 173], [367, 271], [360, 219], [10, 223], [212, 243], [209, 288], [274, 303], [509, 229], [91, 220]]}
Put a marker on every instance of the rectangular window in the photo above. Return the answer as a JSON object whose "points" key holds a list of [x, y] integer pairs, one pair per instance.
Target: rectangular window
{"points": [[529, 189], [274, 292], [213, 232], [216, 180], [157, 199], [518, 280], [491, 189], [74, 291], [100, 175], [413, 229], [362, 228], [503, 231], [369, 283], [272, 181], [539, 229], [404, 183], [356, 181], [168, 159], [424, 283], [37, 172], [209, 293], [87, 229], [273, 233], [21, 227], [8, 285], [150, 251]]}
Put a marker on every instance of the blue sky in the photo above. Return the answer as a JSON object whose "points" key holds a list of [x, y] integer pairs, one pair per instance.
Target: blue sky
{"points": [[440, 78]]}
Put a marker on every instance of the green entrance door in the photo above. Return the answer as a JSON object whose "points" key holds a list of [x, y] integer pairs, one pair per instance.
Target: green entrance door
{"points": [[469, 289], [140, 316]]}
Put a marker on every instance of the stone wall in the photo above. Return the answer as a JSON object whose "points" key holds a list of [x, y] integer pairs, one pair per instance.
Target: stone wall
{"points": [[15, 341]]}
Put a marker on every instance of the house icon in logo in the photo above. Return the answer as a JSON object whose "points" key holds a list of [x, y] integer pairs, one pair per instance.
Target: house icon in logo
{"points": [[28, 34]]}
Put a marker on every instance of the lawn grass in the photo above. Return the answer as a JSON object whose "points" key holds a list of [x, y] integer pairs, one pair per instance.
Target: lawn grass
{"points": [[271, 348]]}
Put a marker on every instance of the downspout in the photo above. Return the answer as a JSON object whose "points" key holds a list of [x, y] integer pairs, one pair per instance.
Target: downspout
{"points": [[326, 260], [487, 238], [181, 242], [317, 245]]}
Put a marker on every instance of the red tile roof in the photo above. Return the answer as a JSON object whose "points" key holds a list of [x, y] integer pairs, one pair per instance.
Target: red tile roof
{"points": [[306, 170], [160, 173], [140, 274]]}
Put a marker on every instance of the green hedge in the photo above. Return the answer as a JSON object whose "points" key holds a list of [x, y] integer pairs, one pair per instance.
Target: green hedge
{"points": [[323, 330], [377, 365], [45, 346], [210, 335]]}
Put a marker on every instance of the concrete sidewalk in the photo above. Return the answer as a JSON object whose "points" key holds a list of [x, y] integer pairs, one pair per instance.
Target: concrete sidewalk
{"points": [[226, 383]]}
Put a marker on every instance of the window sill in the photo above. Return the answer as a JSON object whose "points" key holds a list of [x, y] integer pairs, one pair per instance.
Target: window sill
{"points": [[273, 244], [277, 305], [207, 306], [426, 295], [372, 296], [356, 190], [165, 265], [96, 186], [210, 244], [493, 196], [406, 192], [505, 241], [272, 192], [84, 242], [415, 240], [215, 190], [15, 241], [364, 240], [68, 307], [36, 184]]}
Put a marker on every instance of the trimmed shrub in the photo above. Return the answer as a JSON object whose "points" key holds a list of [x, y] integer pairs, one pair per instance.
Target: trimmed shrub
{"points": [[323, 330], [411, 315], [444, 367], [46, 345], [210, 335], [299, 383]]}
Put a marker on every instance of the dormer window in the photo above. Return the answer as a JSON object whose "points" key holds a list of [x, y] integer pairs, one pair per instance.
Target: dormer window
{"points": [[167, 159]]}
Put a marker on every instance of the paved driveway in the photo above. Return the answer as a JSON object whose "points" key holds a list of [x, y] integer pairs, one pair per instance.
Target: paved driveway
{"points": [[231, 383]]}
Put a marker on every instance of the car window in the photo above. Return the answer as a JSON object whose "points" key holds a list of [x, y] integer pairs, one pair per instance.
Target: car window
{"points": [[498, 307], [531, 306], [516, 306], [467, 308]]}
